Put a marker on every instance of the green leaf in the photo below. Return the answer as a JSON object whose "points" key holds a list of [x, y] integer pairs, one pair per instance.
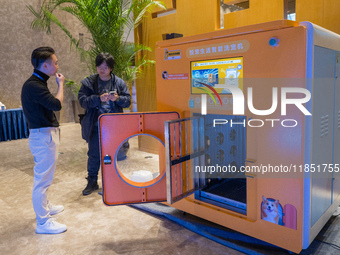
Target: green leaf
{"points": [[105, 21]]}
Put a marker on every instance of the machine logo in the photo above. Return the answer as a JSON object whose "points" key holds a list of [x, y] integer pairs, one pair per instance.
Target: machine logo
{"points": [[172, 54]]}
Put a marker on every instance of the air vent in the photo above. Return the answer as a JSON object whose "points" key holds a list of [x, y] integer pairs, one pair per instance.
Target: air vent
{"points": [[220, 155], [233, 150], [207, 142], [220, 138], [232, 135], [207, 160], [324, 125]]}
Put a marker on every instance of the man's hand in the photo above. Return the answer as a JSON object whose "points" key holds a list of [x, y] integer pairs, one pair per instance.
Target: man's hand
{"points": [[113, 97], [104, 97], [60, 79]]}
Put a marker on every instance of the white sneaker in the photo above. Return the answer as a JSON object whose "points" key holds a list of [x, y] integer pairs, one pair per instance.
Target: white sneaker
{"points": [[337, 212], [50, 227], [54, 209]]}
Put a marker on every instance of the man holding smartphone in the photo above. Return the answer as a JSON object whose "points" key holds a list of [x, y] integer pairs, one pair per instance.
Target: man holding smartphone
{"points": [[99, 93]]}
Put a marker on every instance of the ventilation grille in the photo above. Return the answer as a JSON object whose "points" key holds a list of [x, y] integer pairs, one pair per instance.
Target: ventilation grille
{"points": [[324, 125]]}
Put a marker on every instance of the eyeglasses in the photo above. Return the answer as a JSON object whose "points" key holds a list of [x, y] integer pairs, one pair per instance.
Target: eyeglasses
{"points": [[105, 68]]}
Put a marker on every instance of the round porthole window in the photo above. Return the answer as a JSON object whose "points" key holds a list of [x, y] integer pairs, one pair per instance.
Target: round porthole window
{"points": [[141, 160]]}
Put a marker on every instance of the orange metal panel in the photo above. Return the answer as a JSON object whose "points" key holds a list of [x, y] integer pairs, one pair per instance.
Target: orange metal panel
{"points": [[117, 189]]}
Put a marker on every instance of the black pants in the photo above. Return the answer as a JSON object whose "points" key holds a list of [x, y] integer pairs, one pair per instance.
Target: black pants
{"points": [[93, 162]]}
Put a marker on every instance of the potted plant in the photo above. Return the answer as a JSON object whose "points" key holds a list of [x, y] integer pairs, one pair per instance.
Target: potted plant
{"points": [[106, 21]]}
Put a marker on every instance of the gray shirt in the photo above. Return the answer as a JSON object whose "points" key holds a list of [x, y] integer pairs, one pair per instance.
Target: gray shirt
{"points": [[104, 87]]}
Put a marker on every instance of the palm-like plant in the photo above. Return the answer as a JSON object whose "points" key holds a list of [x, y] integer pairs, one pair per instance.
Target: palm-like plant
{"points": [[106, 21]]}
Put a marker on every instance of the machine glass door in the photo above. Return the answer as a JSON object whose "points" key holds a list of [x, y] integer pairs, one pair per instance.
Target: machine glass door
{"points": [[184, 149], [225, 139], [133, 157], [205, 158]]}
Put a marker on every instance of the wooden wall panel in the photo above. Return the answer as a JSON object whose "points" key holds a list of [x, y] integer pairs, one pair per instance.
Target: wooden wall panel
{"points": [[237, 19], [259, 11], [325, 13], [331, 15], [310, 10], [197, 17], [191, 17], [149, 33]]}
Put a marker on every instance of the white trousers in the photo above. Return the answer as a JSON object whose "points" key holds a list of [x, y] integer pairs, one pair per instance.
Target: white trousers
{"points": [[44, 146]]}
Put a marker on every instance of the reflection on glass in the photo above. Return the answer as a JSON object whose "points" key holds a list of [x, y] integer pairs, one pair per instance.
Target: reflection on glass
{"points": [[142, 159]]}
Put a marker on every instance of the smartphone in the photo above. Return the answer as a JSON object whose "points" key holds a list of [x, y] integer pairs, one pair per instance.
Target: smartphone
{"points": [[113, 92]]}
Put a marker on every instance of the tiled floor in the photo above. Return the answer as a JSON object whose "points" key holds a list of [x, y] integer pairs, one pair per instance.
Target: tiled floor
{"points": [[94, 228]]}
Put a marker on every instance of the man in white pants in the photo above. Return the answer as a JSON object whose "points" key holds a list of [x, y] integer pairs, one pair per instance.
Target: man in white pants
{"points": [[38, 105]]}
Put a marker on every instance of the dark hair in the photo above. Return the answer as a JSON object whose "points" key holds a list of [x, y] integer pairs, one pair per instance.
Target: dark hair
{"points": [[40, 55], [105, 57]]}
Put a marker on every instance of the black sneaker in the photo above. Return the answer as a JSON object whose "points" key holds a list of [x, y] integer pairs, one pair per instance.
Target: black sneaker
{"points": [[92, 185]]}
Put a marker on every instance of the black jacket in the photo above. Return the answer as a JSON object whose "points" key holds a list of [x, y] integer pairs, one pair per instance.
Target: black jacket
{"points": [[89, 99]]}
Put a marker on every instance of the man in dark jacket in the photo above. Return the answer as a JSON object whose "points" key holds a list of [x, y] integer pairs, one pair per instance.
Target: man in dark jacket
{"points": [[99, 93]]}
